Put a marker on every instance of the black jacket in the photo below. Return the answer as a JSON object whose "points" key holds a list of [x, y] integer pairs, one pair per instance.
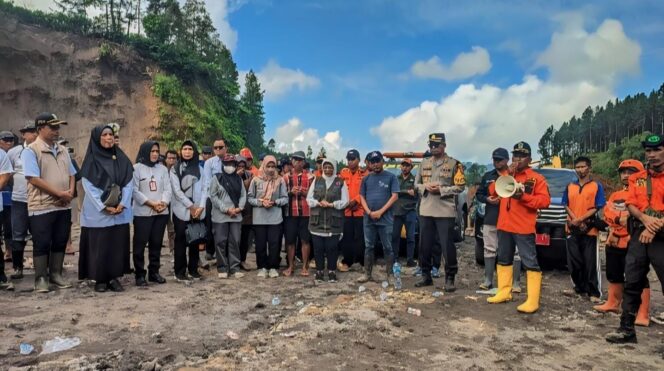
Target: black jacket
{"points": [[491, 211]]}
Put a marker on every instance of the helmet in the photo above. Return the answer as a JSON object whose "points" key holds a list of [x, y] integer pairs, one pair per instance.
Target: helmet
{"points": [[631, 164]]}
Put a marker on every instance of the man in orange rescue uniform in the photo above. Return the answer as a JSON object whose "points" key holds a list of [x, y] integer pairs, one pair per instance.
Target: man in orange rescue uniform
{"points": [[516, 227], [352, 242], [616, 216], [645, 203]]}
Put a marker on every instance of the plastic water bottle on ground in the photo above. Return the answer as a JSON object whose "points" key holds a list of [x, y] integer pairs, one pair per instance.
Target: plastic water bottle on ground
{"points": [[436, 294], [276, 301], [396, 269], [415, 312], [59, 344], [361, 289], [383, 296], [385, 284], [26, 348]]}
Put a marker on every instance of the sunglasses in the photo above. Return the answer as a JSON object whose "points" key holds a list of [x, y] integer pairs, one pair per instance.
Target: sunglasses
{"points": [[375, 161], [8, 139], [54, 127], [435, 145], [219, 147]]}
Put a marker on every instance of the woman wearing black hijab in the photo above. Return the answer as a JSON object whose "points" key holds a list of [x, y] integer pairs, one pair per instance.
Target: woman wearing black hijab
{"points": [[152, 195], [106, 213], [188, 206]]}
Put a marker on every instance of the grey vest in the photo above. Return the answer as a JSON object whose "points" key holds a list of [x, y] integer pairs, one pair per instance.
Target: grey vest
{"points": [[327, 220]]}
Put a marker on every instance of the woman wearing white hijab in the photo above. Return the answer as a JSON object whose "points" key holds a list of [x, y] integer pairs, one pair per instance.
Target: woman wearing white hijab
{"points": [[327, 199]]}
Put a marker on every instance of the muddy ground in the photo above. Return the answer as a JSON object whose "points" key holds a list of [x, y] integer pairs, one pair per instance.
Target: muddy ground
{"points": [[232, 324]]}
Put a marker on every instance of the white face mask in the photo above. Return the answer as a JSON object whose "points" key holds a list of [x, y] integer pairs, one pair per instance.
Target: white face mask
{"points": [[229, 169]]}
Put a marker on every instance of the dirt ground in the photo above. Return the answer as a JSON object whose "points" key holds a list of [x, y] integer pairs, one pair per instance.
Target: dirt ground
{"points": [[232, 324]]}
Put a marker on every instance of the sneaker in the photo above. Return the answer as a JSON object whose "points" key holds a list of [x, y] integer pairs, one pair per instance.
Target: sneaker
{"points": [[273, 273], [319, 277], [222, 275], [196, 276], [411, 264], [435, 273], [262, 273], [183, 278], [238, 275], [17, 275], [312, 264], [417, 272], [331, 276]]}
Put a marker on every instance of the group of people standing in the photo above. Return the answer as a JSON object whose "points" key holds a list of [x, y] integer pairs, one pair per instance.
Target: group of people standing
{"points": [[211, 206]]}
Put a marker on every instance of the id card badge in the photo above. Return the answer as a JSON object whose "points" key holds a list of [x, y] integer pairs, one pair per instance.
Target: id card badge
{"points": [[153, 185]]}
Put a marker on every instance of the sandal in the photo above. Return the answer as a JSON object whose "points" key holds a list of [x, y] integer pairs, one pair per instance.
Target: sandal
{"points": [[288, 272], [304, 273]]}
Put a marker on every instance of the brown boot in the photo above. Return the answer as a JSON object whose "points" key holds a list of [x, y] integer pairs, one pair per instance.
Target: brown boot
{"points": [[613, 301], [643, 316]]}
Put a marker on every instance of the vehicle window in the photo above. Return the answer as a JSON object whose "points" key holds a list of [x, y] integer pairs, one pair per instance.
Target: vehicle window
{"points": [[557, 180]]}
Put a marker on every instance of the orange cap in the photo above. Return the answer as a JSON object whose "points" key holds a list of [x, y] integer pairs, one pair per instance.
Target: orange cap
{"points": [[246, 153], [407, 161], [633, 164]]}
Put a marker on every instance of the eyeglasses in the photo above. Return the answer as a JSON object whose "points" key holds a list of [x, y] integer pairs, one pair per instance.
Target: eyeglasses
{"points": [[435, 145], [219, 147], [9, 139]]}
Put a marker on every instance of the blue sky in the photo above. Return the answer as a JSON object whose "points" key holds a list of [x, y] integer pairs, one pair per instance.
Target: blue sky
{"points": [[382, 74], [358, 57]]}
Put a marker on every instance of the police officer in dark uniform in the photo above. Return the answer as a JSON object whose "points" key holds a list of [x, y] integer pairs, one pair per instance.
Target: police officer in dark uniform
{"points": [[645, 201], [438, 181]]}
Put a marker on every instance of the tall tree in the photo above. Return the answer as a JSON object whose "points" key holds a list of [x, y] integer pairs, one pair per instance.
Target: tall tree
{"points": [[251, 111]]}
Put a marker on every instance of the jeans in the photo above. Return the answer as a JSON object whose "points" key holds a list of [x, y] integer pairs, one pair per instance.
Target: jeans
{"points": [[326, 246], [582, 263], [374, 230], [227, 246], [410, 221], [50, 232], [507, 245], [148, 230]]}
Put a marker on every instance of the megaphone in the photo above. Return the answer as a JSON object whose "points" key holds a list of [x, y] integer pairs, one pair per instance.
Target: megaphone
{"points": [[507, 186]]}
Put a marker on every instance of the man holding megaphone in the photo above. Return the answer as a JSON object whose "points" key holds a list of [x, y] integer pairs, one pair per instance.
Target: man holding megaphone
{"points": [[522, 192]]}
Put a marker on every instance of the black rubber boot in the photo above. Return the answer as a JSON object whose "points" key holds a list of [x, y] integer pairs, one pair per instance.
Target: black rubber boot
{"points": [[449, 283], [55, 270], [41, 273], [425, 281], [368, 268], [625, 333]]}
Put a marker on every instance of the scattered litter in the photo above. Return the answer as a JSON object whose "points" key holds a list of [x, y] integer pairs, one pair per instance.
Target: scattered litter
{"points": [[289, 334], [493, 291], [361, 289], [385, 284], [383, 296], [276, 300], [232, 335], [473, 298], [414, 311], [59, 344], [26, 348], [299, 303], [436, 294]]}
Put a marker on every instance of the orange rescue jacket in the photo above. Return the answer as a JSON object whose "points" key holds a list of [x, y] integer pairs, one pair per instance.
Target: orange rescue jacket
{"points": [[353, 182], [520, 215], [615, 215]]}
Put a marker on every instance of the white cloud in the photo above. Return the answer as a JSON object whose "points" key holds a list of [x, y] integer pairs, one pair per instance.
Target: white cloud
{"points": [[293, 136], [599, 57], [278, 81], [465, 65], [219, 11], [478, 119]]}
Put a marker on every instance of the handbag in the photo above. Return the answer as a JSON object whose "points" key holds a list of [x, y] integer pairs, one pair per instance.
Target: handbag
{"points": [[112, 196], [195, 233]]}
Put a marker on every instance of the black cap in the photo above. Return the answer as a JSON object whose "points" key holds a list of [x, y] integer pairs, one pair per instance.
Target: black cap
{"points": [[206, 149], [352, 154], [299, 155], [500, 153], [653, 141], [375, 156], [437, 138], [6, 135], [261, 156], [29, 126], [284, 161], [522, 147], [48, 119]]}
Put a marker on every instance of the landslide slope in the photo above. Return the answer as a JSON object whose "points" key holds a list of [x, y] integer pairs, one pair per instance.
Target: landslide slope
{"points": [[83, 80]]}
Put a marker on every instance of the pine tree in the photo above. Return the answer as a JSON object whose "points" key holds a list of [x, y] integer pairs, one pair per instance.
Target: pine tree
{"points": [[251, 112]]}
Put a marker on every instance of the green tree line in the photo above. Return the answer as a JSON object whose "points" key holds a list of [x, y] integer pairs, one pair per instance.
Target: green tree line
{"points": [[600, 128], [200, 77]]}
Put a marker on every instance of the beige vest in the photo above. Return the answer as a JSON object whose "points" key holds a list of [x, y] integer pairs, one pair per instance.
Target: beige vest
{"points": [[448, 172], [54, 170]]}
